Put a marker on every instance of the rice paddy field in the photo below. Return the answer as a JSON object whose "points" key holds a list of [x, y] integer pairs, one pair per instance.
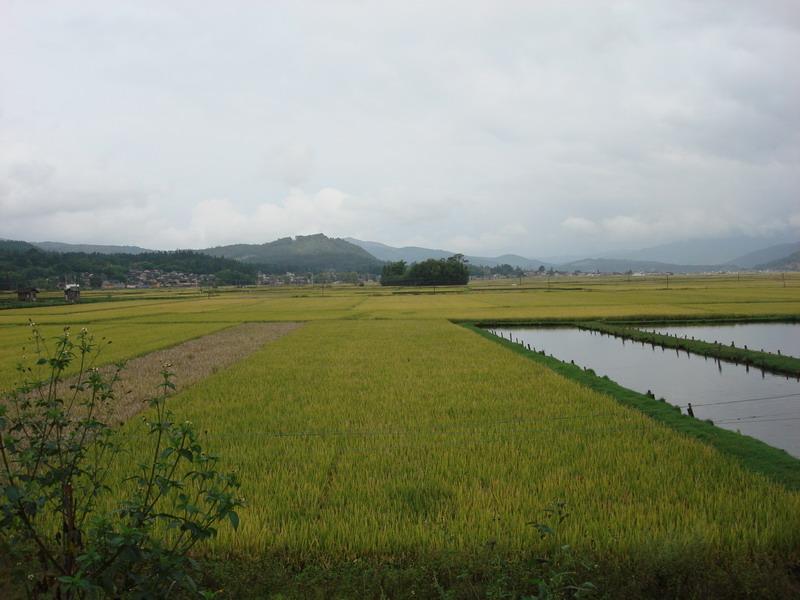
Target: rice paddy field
{"points": [[386, 450]]}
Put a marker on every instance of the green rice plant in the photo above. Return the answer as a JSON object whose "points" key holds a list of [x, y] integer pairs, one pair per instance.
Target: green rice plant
{"points": [[417, 440]]}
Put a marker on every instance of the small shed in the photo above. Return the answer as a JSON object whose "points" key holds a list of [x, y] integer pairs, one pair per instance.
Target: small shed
{"points": [[72, 292], [27, 294]]}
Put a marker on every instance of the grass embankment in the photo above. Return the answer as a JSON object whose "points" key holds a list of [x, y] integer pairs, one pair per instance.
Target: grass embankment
{"points": [[776, 363], [397, 456]]}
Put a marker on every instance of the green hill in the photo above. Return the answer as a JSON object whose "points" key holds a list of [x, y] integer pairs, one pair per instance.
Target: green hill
{"points": [[315, 253], [14, 246]]}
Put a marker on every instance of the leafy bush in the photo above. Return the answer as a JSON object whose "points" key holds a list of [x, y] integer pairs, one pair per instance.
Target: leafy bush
{"points": [[76, 533]]}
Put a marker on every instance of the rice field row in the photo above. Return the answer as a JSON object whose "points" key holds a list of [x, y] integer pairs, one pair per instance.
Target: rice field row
{"points": [[697, 298], [380, 431], [416, 438]]}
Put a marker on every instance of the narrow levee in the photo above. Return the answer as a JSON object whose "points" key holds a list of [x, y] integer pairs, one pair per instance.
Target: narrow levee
{"points": [[782, 338], [736, 397]]}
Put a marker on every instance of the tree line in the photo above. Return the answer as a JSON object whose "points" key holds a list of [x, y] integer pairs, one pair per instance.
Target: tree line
{"points": [[22, 267], [445, 271]]}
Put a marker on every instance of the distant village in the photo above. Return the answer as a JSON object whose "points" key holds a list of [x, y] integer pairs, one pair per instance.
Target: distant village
{"points": [[156, 278]]}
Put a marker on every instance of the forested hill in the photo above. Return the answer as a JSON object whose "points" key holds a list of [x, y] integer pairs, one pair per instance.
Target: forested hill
{"points": [[304, 253], [23, 264]]}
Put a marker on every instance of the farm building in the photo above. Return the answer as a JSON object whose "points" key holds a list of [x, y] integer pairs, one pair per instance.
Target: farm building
{"points": [[27, 294], [72, 292]]}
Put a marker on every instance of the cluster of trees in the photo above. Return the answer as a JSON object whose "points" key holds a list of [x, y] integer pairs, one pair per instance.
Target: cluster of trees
{"points": [[27, 265], [446, 271], [505, 269]]}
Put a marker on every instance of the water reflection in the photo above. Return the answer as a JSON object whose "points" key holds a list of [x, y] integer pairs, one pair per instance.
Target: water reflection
{"points": [[770, 337], [736, 397]]}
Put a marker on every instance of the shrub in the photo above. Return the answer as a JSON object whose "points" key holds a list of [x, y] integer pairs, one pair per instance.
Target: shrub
{"points": [[77, 533]]}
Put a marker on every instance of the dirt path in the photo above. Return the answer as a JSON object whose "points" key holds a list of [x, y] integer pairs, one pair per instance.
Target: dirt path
{"points": [[191, 361]]}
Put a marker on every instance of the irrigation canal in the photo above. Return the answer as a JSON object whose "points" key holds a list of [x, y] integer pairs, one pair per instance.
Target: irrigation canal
{"points": [[758, 404], [771, 337]]}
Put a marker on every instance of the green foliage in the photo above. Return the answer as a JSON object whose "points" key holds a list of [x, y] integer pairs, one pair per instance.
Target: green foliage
{"points": [[14, 246], [445, 271], [75, 537]]}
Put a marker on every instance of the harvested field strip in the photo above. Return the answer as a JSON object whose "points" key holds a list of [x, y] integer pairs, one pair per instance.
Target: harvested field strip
{"points": [[190, 361], [128, 340]]}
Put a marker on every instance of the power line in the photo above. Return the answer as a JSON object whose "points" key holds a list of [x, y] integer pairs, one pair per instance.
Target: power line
{"points": [[743, 400], [755, 419]]}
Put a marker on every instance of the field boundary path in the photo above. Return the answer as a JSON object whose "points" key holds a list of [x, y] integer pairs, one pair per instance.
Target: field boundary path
{"points": [[191, 361]]}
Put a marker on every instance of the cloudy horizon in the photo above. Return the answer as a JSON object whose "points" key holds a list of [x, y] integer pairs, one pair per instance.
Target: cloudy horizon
{"points": [[539, 129]]}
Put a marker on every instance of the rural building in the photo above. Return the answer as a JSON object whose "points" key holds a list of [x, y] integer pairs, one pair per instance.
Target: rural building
{"points": [[72, 292], [27, 294]]}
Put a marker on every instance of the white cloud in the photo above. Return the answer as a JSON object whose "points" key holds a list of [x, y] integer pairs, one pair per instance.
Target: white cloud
{"points": [[680, 224], [580, 225], [292, 163], [490, 127], [219, 222]]}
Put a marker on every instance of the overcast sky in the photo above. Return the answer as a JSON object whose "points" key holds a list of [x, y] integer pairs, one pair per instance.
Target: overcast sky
{"points": [[533, 127]]}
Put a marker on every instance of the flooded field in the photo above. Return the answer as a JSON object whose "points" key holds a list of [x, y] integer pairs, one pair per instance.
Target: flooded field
{"points": [[770, 337], [735, 397]]}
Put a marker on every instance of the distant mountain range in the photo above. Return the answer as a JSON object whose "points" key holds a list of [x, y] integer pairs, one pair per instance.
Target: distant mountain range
{"points": [[416, 254], [321, 253], [766, 255], [787, 263], [729, 250], [622, 265]]}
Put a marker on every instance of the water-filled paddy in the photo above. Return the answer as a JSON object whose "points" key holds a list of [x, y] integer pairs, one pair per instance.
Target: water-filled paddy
{"points": [[735, 397], [770, 337]]}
